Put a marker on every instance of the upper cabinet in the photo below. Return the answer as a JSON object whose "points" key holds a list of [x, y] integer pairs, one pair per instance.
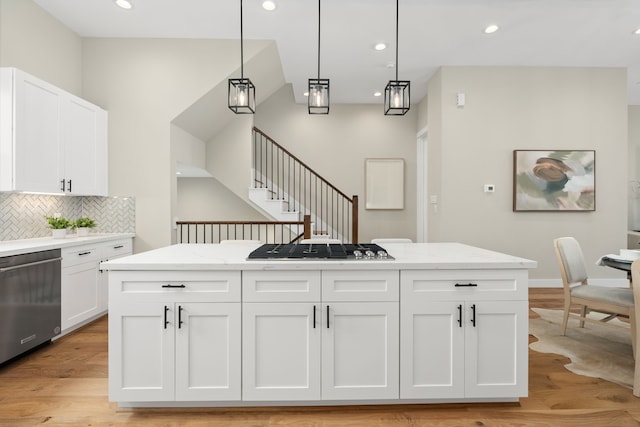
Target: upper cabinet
{"points": [[50, 140]]}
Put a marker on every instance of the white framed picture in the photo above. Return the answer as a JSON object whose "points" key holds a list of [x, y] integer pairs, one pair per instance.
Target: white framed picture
{"points": [[384, 184]]}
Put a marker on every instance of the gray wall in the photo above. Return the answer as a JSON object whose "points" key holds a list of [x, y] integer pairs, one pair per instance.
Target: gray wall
{"points": [[336, 146], [526, 108]]}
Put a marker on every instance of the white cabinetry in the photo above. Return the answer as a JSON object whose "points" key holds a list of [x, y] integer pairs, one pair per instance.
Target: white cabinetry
{"points": [[464, 334], [50, 140], [84, 286], [174, 336], [320, 335], [80, 285]]}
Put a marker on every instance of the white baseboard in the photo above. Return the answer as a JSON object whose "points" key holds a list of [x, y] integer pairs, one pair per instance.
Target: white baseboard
{"points": [[557, 283]]}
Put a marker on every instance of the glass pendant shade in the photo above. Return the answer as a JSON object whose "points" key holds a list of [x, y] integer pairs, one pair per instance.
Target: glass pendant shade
{"points": [[397, 97], [242, 96], [318, 100]]}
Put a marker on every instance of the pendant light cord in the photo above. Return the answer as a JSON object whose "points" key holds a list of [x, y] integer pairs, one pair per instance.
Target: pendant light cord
{"points": [[397, 14], [318, 39], [241, 45]]}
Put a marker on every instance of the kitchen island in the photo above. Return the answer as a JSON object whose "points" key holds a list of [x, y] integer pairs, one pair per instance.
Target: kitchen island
{"points": [[200, 325]]}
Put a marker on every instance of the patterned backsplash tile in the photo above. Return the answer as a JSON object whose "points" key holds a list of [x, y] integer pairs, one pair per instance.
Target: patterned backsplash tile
{"points": [[22, 216]]}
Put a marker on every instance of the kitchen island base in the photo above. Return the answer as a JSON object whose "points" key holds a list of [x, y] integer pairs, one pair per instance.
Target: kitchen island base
{"points": [[196, 325]]}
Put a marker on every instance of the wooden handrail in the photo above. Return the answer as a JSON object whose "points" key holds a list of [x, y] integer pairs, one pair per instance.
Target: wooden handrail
{"points": [[273, 141]]}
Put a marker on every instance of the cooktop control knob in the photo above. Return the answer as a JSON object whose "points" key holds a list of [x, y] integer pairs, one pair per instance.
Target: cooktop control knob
{"points": [[370, 254], [382, 254], [357, 253]]}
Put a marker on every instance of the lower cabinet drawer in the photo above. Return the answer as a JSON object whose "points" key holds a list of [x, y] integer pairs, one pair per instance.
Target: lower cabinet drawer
{"points": [[177, 286], [116, 248], [361, 285], [79, 255], [281, 286]]}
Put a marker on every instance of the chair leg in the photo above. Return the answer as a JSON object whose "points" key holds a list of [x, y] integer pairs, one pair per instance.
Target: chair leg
{"points": [[565, 317], [636, 378], [583, 314], [632, 322]]}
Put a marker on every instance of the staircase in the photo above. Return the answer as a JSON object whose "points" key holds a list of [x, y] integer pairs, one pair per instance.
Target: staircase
{"points": [[286, 189]]}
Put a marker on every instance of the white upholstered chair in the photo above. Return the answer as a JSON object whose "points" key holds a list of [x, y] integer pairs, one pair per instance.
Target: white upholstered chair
{"points": [[391, 240], [320, 240], [612, 301], [240, 242]]}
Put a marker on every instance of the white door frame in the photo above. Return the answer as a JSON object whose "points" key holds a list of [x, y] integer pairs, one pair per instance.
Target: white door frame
{"points": [[421, 186]]}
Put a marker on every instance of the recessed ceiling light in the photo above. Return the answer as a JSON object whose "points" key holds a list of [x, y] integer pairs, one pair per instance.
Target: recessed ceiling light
{"points": [[491, 29], [380, 46], [637, 32], [125, 4], [391, 65], [269, 5], [306, 94], [377, 94]]}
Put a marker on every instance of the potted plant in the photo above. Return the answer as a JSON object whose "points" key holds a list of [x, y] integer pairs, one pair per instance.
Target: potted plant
{"points": [[58, 226], [82, 225]]}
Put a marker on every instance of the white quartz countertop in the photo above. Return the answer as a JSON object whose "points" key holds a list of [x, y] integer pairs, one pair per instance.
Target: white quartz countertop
{"points": [[16, 247], [234, 256]]}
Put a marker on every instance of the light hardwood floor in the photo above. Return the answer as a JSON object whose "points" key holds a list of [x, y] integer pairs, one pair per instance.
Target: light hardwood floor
{"points": [[65, 384]]}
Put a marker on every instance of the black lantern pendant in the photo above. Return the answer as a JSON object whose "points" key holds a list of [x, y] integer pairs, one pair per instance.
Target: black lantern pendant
{"points": [[397, 93], [318, 101], [242, 93]]}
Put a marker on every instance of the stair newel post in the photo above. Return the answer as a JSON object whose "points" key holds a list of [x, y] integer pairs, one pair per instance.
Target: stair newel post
{"points": [[307, 226], [354, 219]]}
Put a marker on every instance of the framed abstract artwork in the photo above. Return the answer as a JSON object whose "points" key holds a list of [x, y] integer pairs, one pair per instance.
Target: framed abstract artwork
{"points": [[554, 180]]}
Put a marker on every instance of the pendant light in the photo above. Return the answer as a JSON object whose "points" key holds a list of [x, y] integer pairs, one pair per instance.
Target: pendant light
{"points": [[318, 101], [397, 93], [242, 93]]}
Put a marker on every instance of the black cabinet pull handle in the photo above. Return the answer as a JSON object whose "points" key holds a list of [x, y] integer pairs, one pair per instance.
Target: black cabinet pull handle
{"points": [[166, 322], [118, 247], [84, 253], [327, 317], [314, 316], [62, 186], [473, 315], [69, 186], [180, 317], [460, 315], [465, 285], [173, 286]]}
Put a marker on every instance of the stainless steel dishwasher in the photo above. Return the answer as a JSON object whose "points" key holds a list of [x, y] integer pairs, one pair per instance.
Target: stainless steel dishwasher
{"points": [[29, 301]]}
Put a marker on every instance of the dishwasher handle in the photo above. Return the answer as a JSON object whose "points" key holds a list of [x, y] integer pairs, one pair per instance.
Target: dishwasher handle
{"points": [[29, 264]]}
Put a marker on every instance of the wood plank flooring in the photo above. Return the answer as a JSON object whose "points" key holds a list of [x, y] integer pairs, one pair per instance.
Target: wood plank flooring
{"points": [[65, 384]]}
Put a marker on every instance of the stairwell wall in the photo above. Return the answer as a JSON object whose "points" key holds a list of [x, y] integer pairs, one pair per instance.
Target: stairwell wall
{"points": [[336, 147]]}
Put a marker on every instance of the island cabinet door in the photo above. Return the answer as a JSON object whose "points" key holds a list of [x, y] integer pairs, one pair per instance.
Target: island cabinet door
{"points": [[497, 349], [432, 350], [360, 350], [208, 351], [141, 352], [281, 351]]}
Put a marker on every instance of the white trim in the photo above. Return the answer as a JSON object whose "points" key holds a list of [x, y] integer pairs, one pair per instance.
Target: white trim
{"points": [[421, 185]]}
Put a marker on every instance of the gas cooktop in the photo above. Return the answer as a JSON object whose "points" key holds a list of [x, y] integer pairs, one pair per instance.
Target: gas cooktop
{"points": [[320, 251]]}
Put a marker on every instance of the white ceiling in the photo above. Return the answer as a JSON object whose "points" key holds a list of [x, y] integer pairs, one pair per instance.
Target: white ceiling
{"points": [[433, 33]]}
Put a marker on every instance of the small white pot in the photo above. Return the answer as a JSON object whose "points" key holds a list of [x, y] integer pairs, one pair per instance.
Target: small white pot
{"points": [[59, 233], [82, 231]]}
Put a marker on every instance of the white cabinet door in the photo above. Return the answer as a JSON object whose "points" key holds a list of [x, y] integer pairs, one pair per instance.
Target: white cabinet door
{"points": [[141, 353], [497, 349], [360, 350], [432, 350], [281, 351], [80, 293], [208, 354], [85, 148], [36, 141]]}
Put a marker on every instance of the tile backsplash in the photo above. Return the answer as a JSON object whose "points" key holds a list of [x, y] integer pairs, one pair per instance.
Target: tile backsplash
{"points": [[22, 216]]}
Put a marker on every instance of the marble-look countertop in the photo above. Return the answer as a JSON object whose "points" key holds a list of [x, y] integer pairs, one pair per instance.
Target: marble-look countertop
{"points": [[234, 256], [22, 246]]}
